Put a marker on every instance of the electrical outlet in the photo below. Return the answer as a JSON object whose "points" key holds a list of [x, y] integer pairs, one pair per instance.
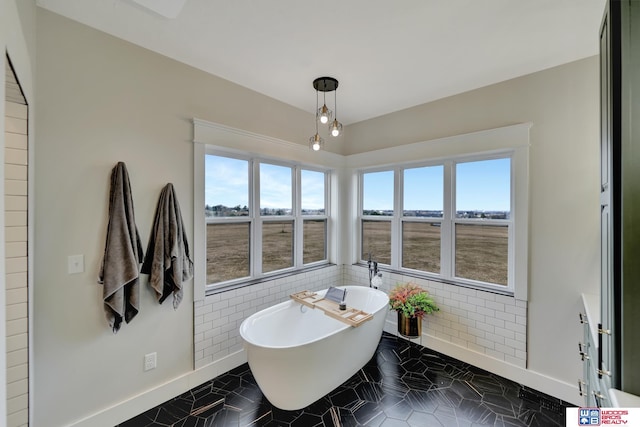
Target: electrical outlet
{"points": [[150, 361]]}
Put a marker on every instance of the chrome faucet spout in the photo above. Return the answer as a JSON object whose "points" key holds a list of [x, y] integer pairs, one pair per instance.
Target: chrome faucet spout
{"points": [[373, 270]]}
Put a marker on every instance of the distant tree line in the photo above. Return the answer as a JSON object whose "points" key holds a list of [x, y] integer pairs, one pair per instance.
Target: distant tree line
{"points": [[226, 211], [222, 210], [439, 214], [483, 214]]}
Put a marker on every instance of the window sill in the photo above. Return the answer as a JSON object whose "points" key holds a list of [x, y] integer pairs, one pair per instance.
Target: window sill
{"points": [[250, 282], [411, 273]]}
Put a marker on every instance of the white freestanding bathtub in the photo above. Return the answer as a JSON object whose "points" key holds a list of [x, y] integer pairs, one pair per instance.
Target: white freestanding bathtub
{"points": [[298, 354]]}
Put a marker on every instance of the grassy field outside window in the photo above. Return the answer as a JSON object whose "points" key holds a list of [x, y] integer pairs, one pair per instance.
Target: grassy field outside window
{"points": [[256, 224], [453, 219]]}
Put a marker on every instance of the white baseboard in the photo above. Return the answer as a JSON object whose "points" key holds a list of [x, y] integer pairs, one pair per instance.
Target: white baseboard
{"points": [[527, 377], [142, 402], [136, 405]]}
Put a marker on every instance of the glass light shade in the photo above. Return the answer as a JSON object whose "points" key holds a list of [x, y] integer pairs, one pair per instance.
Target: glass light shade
{"points": [[316, 142], [335, 128], [324, 114]]}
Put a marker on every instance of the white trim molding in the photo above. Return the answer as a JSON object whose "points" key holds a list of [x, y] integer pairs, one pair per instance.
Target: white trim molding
{"points": [[135, 405], [514, 140], [243, 141]]}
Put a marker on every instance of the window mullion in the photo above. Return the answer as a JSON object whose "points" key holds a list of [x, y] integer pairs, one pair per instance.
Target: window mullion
{"points": [[256, 221], [358, 248], [331, 226], [396, 224], [447, 228], [298, 247]]}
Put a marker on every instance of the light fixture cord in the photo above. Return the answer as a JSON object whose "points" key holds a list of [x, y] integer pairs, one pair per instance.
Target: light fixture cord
{"points": [[335, 103], [316, 111], [324, 94]]}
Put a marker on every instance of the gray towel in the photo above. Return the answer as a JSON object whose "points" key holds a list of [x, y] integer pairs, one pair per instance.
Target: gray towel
{"points": [[168, 262], [122, 254]]}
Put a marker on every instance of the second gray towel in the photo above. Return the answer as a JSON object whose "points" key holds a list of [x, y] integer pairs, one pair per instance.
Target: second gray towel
{"points": [[168, 261]]}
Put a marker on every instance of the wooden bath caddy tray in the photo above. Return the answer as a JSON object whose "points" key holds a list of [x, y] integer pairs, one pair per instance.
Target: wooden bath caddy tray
{"points": [[351, 316]]}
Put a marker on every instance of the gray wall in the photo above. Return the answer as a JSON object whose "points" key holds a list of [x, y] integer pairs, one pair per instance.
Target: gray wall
{"points": [[564, 225], [102, 100]]}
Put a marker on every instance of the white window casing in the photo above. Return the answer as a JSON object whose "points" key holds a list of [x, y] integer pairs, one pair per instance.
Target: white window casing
{"points": [[510, 141], [219, 140], [344, 187]]}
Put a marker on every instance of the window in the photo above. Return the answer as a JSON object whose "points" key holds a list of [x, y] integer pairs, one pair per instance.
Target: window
{"points": [[421, 218], [257, 223], [449, 220], [277, 217], [314, 229], [422, 211], [377, 210], [228, 221], [483, 209]]}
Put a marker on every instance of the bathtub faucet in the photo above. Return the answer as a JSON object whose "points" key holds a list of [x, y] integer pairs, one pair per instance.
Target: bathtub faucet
{"points": [[375, 277]]}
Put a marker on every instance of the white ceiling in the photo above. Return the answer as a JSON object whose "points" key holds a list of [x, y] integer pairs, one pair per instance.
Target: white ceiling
{"points": [[387, 55]]}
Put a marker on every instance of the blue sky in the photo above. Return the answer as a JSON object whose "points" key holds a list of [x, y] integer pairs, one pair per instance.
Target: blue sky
{"points": [[275, 186], [484, 185], [227, 183], [481, 185], [312, 190], [423, 188]]}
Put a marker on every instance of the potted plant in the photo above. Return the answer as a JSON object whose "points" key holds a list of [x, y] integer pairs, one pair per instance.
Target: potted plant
{"points": [[412, 303]]}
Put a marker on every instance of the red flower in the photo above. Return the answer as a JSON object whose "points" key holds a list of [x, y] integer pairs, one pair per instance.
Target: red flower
{"points": [[411, 299]]}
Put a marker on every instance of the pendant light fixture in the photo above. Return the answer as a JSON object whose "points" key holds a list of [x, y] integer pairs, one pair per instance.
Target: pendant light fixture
{"points": [[316, 142], [335, 127], [324, 114]]}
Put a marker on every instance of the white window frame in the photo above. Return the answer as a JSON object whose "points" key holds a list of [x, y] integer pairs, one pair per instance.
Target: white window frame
{"points": [[381, 218], [448, 220], [256, 236], [510, 141], [453, 220], [245, 219], [256, 220], [403, 218], [240, 142], [324, 217]]}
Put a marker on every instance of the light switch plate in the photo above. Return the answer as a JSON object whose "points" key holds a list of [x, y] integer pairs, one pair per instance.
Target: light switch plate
{"points": [[75, 264]]}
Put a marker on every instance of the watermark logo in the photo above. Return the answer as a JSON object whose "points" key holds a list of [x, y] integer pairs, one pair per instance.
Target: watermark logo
{"points": [[603, 417], [588, 417]]}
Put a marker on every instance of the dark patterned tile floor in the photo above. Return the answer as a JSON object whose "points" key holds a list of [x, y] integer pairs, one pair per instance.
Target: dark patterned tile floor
{"points": [[403, 385]]}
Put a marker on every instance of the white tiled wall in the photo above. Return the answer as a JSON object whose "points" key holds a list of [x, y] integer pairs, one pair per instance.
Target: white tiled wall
{"points": [[488, 323], [16, 264], [218, 317], [481, 321]]}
